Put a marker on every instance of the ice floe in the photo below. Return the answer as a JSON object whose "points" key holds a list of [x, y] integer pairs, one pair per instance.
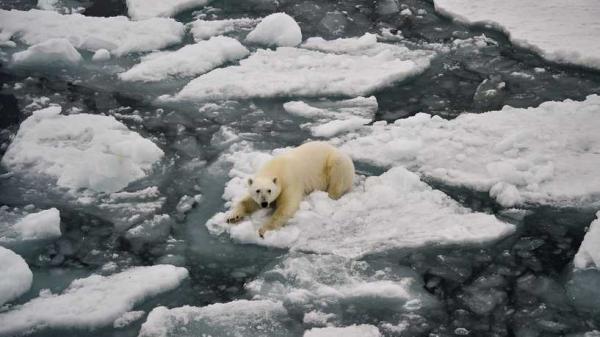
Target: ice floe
{"points": [[92, 302], [193, 59], [383, 213], [347, 67], [205, 29], [53, 51], [118, 35], [145, 9], [15, 276], [588, 255], [558, 31], [128, 318], [41, 225], [543, 155], [81, 151], [334, 117], [237, 318], [363, 330], [278, 29]]}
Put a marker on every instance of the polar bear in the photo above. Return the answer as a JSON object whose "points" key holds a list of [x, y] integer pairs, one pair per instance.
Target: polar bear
{"points": [[284, 180]]}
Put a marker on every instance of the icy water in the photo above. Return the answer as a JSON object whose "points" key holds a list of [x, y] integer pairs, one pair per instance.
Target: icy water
{"points": [[517, 286]]}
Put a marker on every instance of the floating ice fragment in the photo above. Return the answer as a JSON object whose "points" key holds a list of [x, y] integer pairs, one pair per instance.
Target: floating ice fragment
{"points": [[203, 29], [278, 29], [15, 276], [47, 53], [364, 330], [145, 9]]}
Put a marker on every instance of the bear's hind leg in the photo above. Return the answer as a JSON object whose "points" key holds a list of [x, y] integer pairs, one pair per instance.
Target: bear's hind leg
{"points": [[340, 175]]}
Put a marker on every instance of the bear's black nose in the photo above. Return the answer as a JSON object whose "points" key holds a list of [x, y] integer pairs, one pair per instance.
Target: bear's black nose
{"points": [[264, 204]]}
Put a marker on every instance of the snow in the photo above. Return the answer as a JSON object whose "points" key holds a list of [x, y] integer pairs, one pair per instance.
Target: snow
{"points": [[193, 59], [349, 71], [334, 117], [237, 318], [146, 9], [205, 29], [92, 302], [542, 155], [15, 276], [95, 151], [383, 213], [101, 55], [558, 31], [278, 29], [128, 318], [59, 51], [119, 35], [363, 330], [588, 255], [40, 225]]}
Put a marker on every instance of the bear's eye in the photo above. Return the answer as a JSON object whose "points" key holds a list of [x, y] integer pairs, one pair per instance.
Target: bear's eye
{"points": [[257, 191], [269, 191]]}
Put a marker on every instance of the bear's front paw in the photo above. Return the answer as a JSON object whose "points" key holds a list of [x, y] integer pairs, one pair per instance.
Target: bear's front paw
{"points": [[235, 217], [262, 231]]}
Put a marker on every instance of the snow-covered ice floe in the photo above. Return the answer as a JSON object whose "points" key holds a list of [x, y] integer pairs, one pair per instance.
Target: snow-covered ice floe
{"points": [[278, 29], [544, 155], [193, 59], [334, 117], [145, 9], [393, 211], [205, 29], [237, 318], [118, 35], [81, 151], [15, 276], [34, 226], [92, 302], [345, 67], [57, 51], [565, 32], [588, 255], [363, 330]]}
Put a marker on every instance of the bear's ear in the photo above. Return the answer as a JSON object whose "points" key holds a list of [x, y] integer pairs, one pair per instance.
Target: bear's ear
{"points": [[275, 180], [250, 181]]}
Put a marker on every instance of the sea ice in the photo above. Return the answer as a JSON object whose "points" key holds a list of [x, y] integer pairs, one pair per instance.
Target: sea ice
{"points": [[558, 31], [588, 255], [95, 152], [15, 276], [348, 67], [92, 302], [205, 29], [101, 55], [237, 318], [542, 155], [334, 117], [40, 225], [383, 213], [146, 9], [193, 59], [278, 29], [53, 51], [363, 330], [118, 34]]}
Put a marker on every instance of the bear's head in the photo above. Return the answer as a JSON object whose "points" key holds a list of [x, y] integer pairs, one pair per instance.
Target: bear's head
{"points": [[264, 190]]}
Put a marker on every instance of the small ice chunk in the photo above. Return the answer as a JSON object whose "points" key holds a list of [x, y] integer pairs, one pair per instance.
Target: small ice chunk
{"points": [[128, 318], [41, 225], [48, 5], [588, 255], [101, 55], [53, 51], [278, 29], [204, 29], [154, 230], [146, 9], [193, 59], [95, 152], [92, 302], [15, 276], [363, 330]]}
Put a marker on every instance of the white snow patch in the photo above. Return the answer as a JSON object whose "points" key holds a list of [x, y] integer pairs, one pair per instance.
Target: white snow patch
{"points": [[92, 302], [205, 29], [118, 34], [50, 52], [237, 318], [558, 31], [334, 117], [128, 318], [40, 225], [94, 151], [363, 330], [146, 9], [278, 29], [393, 211], [588, 255], [545, 155], [15, 276], [193, 59], [353, 70]]}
